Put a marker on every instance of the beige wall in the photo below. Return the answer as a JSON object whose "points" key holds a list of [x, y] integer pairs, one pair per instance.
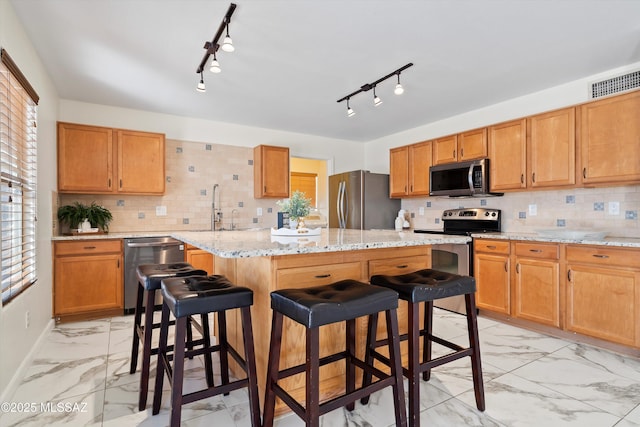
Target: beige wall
{"points": [[17, 341]]}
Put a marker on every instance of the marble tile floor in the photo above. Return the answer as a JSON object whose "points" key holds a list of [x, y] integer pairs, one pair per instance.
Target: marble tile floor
{"points": [[80, 377]]}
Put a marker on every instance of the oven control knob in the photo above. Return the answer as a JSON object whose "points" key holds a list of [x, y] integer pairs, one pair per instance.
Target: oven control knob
{"points": [[486, 214], [493, 214]]}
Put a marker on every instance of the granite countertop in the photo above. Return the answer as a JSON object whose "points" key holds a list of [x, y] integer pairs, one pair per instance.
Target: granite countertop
{"points": [[259, 242], [629, 242], [243, 244]]}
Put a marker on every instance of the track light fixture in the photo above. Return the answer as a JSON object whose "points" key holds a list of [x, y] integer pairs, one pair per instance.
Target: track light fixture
{"points": [[215, 66], [213, 46], [399, 90], [368, 86], [376, 99], [201, 87], [350, 112]]}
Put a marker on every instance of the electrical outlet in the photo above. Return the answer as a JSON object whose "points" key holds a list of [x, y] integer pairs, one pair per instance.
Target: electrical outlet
{"points": [[259, 212], [614, 208], [27, 319], [161, 211], [421, 211], [533, 210]]}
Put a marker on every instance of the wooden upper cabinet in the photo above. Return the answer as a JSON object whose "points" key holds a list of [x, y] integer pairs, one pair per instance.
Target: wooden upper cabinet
{"points": [[508, 154], [399, 171], [409, 170], [85, 159], [270, 171], [551, 152], [141, 168], [610, 140], [464, 146], [445, 150], [420, 159], [99, 160], [472, 144]]}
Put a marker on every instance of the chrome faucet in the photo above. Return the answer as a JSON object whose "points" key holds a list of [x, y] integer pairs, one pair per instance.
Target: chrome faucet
{"points": [[233, 212], [216, 214]]}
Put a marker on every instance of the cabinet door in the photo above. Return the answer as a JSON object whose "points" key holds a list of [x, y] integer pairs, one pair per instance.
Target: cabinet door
{"points": [[507, 151], [140, 162], [88, 284], [399, 171], [552, 151], [445, 150], [537, 291], [492, 279], [270, 171], [472, 144], [420, 156], [85, 159], [610, 140], [200, 259], [604, 303]]}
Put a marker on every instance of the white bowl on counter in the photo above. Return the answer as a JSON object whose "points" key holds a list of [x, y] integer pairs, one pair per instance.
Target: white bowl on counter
{"points": [[573, 234]]}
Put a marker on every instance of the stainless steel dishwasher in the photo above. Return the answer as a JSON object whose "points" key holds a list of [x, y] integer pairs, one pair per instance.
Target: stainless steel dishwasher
{"points": [[146, 250]]}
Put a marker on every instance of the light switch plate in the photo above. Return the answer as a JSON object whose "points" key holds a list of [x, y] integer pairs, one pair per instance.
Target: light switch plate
{"points": [[259, 212]]}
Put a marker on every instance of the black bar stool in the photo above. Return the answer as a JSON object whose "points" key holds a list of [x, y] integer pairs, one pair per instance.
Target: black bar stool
{"points": [[189, 296], [149, 278], [322, 305], [425, 286]]}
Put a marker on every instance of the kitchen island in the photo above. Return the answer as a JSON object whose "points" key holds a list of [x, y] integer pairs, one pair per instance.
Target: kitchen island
{"points": [[265, 263]]}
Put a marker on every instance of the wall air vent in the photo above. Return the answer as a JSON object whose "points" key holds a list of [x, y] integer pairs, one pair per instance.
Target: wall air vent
{"points": [[617, 84]]}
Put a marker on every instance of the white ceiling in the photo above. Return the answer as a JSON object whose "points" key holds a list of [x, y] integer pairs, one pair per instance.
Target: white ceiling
{"points": [[295, 58]]}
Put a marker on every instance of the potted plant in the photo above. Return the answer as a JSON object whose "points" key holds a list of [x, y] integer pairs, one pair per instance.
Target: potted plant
{"points": [[75, 214], [298, 206]]}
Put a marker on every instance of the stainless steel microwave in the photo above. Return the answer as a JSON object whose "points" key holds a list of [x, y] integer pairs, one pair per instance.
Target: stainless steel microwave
{"points": [[460, 179]]}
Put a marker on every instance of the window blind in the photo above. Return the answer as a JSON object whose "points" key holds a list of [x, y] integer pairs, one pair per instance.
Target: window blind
{"points": [[18, 166]]}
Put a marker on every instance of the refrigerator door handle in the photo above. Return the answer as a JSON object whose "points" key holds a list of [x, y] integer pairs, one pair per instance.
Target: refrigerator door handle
{"points": [[345, 209], [339, 204]]}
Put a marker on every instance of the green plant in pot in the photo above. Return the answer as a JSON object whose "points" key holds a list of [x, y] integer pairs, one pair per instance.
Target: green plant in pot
{"points": [[75, 214], [298, 206]]}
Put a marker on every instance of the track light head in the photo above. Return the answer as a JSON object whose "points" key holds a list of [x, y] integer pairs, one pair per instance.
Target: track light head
{"points": [[215, 65], [376, 99], [227, 43], [399, 90], [201, 87], [350, 112]]}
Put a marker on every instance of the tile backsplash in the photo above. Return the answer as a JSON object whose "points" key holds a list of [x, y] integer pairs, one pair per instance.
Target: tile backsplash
{"points": [[612, 209], [192, 169]]}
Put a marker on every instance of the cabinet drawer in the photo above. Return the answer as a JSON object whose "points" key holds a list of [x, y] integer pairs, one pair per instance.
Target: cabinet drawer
{"points": [[88, 247], [491, 246], [393, 266], [537, 250], [604, 256], [318, 275]]}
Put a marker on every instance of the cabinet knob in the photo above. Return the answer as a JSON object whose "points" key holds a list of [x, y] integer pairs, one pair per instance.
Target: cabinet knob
{"points": [[601, 256], [533, 177], [322, 276], [521, 178], [89, 247], [535, 251], [492, 247], [402, 266], [517, 268], [461, 153], [584, 172], [506, 267]]}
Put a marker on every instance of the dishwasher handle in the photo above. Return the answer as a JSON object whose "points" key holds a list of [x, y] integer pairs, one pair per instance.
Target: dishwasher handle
{"points": [[153, 244]]}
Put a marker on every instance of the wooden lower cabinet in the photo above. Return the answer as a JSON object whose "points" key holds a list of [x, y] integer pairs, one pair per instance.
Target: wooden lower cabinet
{"points": [[592, 290], [199, 258], [88, 279], [537, 282], [491, 270], [603, 293], [266, 274]]}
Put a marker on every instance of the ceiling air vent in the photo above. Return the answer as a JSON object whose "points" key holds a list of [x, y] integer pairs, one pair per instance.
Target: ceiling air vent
{"points": [[616, 84]]}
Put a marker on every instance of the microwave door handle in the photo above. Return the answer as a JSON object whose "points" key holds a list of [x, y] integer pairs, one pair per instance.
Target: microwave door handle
{"points": [[470, 178]]}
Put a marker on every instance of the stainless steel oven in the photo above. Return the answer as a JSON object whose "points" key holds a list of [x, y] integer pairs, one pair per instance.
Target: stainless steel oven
{"points": [[458, 258]]}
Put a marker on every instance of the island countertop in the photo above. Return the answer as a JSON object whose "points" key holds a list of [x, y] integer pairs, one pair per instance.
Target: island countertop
{"points": [[255, 243]]}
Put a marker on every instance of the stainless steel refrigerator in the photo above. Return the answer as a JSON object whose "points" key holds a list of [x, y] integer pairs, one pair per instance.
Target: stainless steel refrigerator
{"points": [[360, 200]]}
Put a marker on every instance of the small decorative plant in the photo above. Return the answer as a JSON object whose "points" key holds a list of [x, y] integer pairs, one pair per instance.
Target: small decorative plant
{"points": [[75, 214], [297, 205]]}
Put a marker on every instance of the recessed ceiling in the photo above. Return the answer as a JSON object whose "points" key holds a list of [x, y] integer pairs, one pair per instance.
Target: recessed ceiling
{"points": [[294, 59]]}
